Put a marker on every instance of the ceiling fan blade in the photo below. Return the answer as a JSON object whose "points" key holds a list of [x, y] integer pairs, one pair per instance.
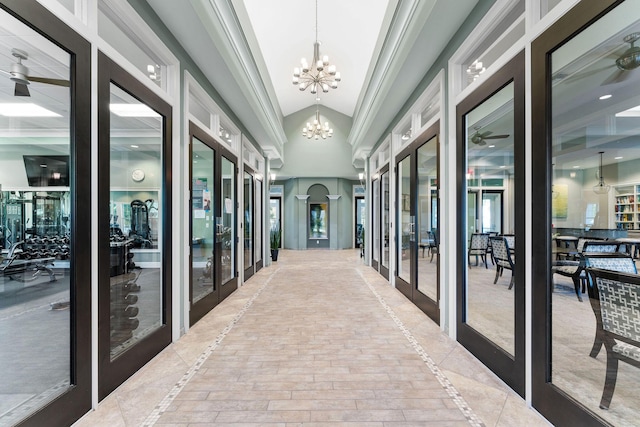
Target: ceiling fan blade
{"points": [[55, 82], [616, 77], [497, 137], [586, 73], [6, 72], [485, 134], [21, 90]]}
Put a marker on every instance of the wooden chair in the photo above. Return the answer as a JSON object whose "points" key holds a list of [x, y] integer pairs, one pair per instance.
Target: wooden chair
{"points": [[618, 297], [478, 247], [502, 258], [613, 262]]}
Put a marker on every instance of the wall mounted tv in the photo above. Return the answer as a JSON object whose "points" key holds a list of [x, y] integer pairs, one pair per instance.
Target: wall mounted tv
{"points": [[47, 171]]}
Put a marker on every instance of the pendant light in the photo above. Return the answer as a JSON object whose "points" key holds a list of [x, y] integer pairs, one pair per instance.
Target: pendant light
{"points": [[601, 187]]}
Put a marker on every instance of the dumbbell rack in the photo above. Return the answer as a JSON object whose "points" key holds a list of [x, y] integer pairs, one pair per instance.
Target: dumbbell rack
{"points": [[39, 247]]}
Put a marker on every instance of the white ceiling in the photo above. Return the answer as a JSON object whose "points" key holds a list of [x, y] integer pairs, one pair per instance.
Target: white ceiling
{"points": [[285, 30]]}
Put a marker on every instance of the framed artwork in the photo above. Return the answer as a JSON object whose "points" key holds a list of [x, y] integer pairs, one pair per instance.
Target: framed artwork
{"points": [[559, 201]]}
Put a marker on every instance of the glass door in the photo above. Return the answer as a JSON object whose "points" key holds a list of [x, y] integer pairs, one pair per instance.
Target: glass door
{"points": [[247, 225], [135, 254], [45, 220], [258, 240], [492, 212], [418, 251], [491, 291], [275, 214], [226, 226], [406, 230], [203, 286], [427, 296], [360, 211], [213, 276], [585, 183], [473, 216], [386, 229], [375, 215]]}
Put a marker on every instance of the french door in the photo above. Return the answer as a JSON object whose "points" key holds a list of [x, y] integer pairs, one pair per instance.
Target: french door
{"points": [[585, 183], [375, 222], [385, 224], [134, 231], [417, 254], [490, 136], [212, 229], [248, 219], [45, 222]]}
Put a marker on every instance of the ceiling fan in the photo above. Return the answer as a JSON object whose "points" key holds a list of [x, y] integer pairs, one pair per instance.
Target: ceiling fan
{"points": [[19, 73], [479, 138], [627, 61]]}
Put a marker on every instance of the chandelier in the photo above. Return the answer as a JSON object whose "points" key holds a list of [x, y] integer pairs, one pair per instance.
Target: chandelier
{"points": [[321, 75], [317, 130], [474, 70]]}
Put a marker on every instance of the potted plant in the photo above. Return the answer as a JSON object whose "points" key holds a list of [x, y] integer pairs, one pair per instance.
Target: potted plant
{"points": [[275, 235]]}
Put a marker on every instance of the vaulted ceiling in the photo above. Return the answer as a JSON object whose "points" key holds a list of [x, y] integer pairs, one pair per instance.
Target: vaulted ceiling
{"points": [[248, 49]]}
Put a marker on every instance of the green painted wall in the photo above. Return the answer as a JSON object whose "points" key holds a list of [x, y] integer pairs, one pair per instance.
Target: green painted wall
{"points": [[330, 157], [295, 213]]}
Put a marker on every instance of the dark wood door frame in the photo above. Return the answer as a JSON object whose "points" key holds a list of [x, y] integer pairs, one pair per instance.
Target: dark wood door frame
{"points": [[410, 290], [551, 401], [510, 368]]}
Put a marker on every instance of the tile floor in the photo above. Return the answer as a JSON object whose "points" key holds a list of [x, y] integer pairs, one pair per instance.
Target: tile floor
{"points": [[315, 339]]}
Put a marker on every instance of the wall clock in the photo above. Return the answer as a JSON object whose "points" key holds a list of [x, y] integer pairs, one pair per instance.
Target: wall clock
{"points": [[137, 175]]}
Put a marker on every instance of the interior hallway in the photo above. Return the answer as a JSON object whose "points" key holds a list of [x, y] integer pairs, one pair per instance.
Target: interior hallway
{"points": [[315, 339]]}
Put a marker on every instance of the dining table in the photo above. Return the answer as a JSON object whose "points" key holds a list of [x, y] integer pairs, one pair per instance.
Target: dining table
{"points": [[632, 242]]}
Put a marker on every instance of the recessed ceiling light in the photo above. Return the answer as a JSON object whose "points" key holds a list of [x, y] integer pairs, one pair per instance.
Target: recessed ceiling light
{"points": [[576, 167], [492, 146], [502, 167], [618, 158], [25, 110], [132, 110], [631, 112], [603, 97], [134, 146]]}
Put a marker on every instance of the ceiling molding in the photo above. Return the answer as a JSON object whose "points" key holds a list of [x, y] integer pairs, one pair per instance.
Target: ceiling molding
{"points": [[222, 25], [407, 23]]}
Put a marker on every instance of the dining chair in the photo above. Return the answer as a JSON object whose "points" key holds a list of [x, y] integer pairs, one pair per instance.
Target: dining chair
{"points": [[618, 296], [574, 268], [478, 247], [502, 258], [613, 262], [433, 243]]}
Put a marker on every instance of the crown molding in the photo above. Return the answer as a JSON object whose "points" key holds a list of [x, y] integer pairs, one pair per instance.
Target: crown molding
{"points": [[223, 26], [405, 27]]}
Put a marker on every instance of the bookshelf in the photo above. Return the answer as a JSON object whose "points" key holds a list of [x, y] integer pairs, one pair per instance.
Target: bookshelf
{"points": [[627, 208]]}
